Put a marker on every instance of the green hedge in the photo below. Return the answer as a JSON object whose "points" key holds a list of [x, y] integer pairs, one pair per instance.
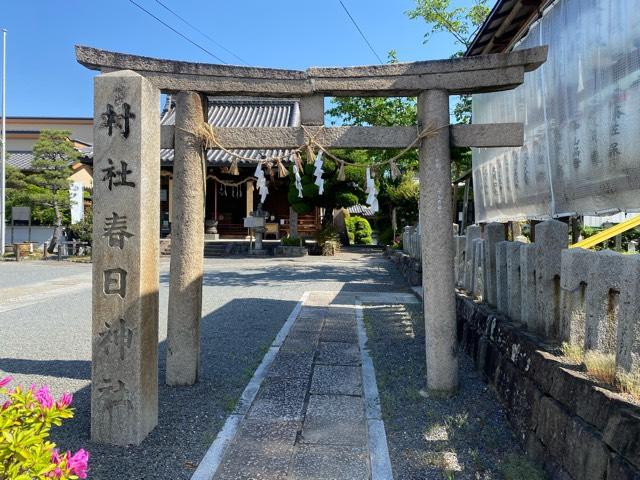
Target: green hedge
{"points": [[358, 230]]}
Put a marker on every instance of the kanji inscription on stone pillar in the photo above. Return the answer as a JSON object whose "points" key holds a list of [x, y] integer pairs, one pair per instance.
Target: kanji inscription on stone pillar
{"points": [[126, 192]]}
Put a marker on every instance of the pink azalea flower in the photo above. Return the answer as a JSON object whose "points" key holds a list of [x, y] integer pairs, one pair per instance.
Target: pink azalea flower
{"points": [[4, 381], [55, 456], [78, 463], [44, 398], [65, 400], [5, 405]]}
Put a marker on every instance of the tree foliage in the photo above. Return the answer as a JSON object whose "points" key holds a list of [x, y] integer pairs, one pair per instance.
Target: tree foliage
{"points": [[461, 23], [45, 188]]}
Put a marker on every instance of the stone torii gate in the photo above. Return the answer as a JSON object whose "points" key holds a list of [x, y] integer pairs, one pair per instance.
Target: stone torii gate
{"points": [[127, 142]]}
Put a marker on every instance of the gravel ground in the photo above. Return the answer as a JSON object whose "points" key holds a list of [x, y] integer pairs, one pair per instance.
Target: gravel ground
{"points": [[464, 437], [245, 302]]}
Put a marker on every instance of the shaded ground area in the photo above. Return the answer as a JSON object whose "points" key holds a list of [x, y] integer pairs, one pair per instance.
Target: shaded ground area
{"points": [[464, 437], [46, 340]]}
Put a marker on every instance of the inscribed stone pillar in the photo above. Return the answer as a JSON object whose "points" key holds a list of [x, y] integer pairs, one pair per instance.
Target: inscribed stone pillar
{"points": [[493, 233], [552, 236], [473, 233], [126, 226], [502, 302], [513, 280], [528, 306], [437, 243], [187, 243]]}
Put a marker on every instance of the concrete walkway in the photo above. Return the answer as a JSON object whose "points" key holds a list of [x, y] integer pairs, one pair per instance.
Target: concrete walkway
{"points": [[316, 414]]}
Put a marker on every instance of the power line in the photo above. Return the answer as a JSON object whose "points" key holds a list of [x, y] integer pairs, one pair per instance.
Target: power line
{"points": [[218, 44], [361, 33], [177, 32]]}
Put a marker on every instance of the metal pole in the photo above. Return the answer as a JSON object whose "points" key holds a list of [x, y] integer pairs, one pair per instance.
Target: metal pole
{"points": [[3, 219]]}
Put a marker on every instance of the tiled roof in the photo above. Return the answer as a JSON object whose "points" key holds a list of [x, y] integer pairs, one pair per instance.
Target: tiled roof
{"points": [[241, 112], [20, 160], [361, 210]]}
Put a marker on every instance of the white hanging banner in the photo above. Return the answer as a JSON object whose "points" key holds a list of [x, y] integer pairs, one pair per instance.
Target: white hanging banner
{"points": [[296, 174], [372, 199], [261, 183], [318, 164], [76, 196]]}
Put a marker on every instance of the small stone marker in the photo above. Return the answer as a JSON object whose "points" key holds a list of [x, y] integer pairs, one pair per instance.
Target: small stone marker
{"points": [[493, 233], [528, 305], [472, 233], [514, 298], [552, 236], [502, 302], [573, 283], [126, 222]]}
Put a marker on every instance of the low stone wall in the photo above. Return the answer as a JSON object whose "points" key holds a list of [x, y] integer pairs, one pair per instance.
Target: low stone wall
{"points": [[565, 421], [410, 267]]}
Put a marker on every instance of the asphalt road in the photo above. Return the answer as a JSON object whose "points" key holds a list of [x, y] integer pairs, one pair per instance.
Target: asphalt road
{"points": [[45, 330]]}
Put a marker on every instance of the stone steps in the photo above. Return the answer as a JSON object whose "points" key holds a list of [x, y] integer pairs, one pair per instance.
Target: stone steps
{"points": [[216, 250]]}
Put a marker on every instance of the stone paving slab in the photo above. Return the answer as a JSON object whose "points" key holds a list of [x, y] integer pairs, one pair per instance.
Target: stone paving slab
{"points": [[308, 420], [337, 353], [336, 380], [323, 462], [335, 420], [292, 364], [280, 399]]}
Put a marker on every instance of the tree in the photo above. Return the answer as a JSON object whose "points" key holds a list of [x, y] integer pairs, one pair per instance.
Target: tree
{"points": [[48, 185]]}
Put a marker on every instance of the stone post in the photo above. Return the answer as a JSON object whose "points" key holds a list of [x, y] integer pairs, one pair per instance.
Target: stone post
{"points": [[473, 233], [502, 285], [437, 243], [187, 243], [493, 233], [552, 236], [126, 226], [528, 312], [514, 298], [293, 223], [575, 267]]}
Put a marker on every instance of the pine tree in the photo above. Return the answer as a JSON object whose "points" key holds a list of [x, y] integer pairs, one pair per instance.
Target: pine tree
{"points": [[48, 186]]}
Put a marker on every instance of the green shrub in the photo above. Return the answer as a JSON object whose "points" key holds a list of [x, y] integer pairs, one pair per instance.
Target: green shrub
{"points": [[346, 200], [292, 242], [83, 230], [26, 418], [358, 230]]}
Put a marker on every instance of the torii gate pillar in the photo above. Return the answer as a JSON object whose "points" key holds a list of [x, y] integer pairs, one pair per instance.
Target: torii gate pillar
{"points": [[436, 236]]}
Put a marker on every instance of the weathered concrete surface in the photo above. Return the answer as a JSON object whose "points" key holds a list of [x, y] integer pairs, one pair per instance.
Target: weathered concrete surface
{"points": [[514, 298], [564, 420], [528, 304], [628, 336], [124, 387], [472, 233], [552, 236], [458, 75], [311, 111], [493, 234], [187, 237], [489, 135], [502, 285], [437, 244]]}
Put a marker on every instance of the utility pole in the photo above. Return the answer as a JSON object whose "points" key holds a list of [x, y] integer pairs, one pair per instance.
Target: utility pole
{"points": [[3, 216]]}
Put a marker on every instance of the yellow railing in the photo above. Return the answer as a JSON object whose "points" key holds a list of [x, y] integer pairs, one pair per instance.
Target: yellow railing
{"points": [[604, 235]]}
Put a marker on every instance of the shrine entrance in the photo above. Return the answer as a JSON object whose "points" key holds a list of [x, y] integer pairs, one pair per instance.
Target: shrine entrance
{"points": [[128, 137]]}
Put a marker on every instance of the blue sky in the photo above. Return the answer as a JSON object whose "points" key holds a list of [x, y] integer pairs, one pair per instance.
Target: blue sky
{"points": [[43, 78]]}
